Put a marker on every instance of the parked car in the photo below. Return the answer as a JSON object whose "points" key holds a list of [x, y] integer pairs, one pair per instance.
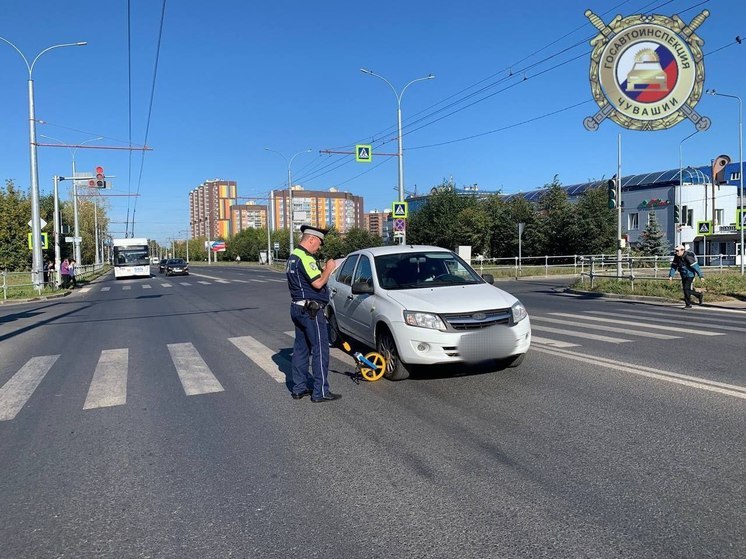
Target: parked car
{"points": [[420, 305], [162, 265], [177, 266]]}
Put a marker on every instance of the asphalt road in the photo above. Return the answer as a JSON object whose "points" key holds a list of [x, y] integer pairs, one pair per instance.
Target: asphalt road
{"points": [[605, 443]]}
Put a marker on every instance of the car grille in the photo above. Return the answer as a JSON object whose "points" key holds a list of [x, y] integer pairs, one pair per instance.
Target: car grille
{"points": [[478, 319]]}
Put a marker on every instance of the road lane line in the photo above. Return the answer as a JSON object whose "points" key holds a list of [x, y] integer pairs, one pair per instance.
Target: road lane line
{"points": [[275, 280], [196, 377], [105, 288], [15, 393], [717, 326], [240, 281], [109, 385], [221, 281], [258, 280], [553, 343], [639, 325], [668, 376], [146, 286], [605, 328], [203, 282], [126, 287], [166, 285], [261, 355], [574, 334], [185, 283]]}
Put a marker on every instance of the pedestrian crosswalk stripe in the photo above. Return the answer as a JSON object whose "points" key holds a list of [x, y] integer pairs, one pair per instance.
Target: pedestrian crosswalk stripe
{"points": [[146, 286], [657, 318], [261, 355], [553, 343], [126, 287], [221, 281], [241, 281], [258, 280], [640, 324], [605, 328], [166, 285], [105, 288], [195, 375], [277, 280], [85, 290], [15, 393], [584, 335], [203, 282], [109, 385], [333, 351], [185, 283]]}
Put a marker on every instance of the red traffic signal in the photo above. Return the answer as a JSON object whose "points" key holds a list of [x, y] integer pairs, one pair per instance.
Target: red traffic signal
{"points": [[100, 182]]}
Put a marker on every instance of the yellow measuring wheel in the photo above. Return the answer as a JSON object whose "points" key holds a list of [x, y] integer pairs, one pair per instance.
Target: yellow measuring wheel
{"points": [[369, 373]]}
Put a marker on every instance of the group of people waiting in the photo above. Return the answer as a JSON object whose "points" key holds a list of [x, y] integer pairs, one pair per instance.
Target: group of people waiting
{"points": [[67, 273]]}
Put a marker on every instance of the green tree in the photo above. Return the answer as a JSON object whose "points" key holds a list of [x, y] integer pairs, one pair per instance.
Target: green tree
{"points": [[557, 222], [436, 222], [596, 223], [15, 209], [652, 240]]}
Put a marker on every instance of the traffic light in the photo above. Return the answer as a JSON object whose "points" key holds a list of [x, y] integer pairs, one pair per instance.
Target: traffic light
{"points": [[100, 178], [612, 194], [677, 214]]}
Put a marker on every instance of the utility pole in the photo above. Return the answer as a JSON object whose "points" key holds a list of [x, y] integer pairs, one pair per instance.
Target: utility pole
{"points": [[619, 207]]}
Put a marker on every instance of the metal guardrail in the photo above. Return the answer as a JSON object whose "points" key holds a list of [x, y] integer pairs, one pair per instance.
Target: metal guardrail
{"points": [[10, 281]]}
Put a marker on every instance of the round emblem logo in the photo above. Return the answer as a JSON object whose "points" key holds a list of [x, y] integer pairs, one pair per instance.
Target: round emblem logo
{"points": [[647, 72]]}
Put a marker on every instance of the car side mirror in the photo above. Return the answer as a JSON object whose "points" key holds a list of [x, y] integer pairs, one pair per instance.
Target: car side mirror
{"points": [[489, 278], [362, 288]]}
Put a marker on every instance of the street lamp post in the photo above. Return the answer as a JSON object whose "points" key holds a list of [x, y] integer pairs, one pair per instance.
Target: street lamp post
{"points": [[37, 274], [740, 159], [677, 198], [76, 227], [291, 221], [400, 150]]}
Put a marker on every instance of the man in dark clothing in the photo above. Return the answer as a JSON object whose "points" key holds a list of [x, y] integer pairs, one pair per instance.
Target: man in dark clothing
{"points": [[309, 294], [686, 264]]}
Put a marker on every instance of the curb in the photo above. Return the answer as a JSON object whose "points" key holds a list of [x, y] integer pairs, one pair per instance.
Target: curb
{"points": [[730, 304]]}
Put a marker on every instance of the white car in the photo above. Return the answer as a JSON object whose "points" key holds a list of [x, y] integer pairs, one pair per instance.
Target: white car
{"points": [[421, 305]]}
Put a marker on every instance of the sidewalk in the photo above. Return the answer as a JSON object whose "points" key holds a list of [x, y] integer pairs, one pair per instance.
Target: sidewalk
{"points": [[731, 304]]}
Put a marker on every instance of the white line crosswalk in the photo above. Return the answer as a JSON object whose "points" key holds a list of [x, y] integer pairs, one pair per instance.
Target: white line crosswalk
{"points": [[109, 385], [196, 377], [15, 392]]}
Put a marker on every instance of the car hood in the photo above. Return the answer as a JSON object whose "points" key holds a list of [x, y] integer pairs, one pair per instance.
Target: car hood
{"points": [[453, 299]]}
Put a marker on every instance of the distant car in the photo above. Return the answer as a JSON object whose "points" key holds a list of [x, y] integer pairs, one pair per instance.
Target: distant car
{"points": [[177, 266], [162, 265], [421, 305]]}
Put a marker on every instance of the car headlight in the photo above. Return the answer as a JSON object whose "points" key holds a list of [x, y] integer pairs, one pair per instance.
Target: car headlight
{"points": [[519, 312], [424, 320]]}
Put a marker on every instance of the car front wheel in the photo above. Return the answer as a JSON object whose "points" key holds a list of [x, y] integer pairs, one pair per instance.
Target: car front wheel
{"points": [[386, 346]]}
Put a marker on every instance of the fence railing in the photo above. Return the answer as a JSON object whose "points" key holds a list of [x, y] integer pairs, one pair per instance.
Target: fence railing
{"points": [[19, 283]]}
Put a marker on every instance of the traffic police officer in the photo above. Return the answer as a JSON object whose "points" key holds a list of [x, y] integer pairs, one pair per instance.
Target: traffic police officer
{"points": [[309, 294]]}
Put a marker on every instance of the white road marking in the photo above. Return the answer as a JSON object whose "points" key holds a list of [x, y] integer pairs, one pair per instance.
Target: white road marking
{"points": [[146, 286], [553, 343], [573, 334], [259, 354], [275, 280], [668, 376], [105, 288], [669, 319], [85, 290], [204, 282], [258, 280], [109, 385], [240, 281], [166, 285], [639, 324], [605, 328], [15, 393], [221, 281], [185, 283], [195, 375], [126, 287]]}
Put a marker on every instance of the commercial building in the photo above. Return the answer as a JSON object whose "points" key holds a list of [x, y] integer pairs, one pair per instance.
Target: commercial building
{"points": [[326, 209], [210, 209]]}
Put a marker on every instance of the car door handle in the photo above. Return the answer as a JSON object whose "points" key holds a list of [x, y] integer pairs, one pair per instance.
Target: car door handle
{"points": [[349, 297], [334, 290]]}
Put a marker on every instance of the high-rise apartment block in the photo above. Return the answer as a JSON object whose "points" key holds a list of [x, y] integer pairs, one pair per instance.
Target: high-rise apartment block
{"points": [[375, 222], [210, 209], [248, 216], [326, 209]]}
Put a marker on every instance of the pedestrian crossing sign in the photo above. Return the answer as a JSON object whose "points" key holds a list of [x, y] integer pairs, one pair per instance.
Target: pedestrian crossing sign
{"points": [[44, 241], [704, 228], [363, 153], [740, 218], [400, 210]]}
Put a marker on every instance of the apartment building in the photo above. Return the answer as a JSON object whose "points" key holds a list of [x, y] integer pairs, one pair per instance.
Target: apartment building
{"points": [[210, 209], [327, 209]]}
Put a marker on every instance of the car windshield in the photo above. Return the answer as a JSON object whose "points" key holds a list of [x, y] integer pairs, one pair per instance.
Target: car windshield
{"points": [[423, 269], [176, 262]]}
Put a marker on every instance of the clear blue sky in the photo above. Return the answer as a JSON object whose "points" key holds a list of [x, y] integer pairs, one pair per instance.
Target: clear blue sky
{"points": [[235, 77]]}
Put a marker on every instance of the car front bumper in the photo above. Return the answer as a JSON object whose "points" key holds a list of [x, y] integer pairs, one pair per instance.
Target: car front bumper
{"points": [[423, 346]]}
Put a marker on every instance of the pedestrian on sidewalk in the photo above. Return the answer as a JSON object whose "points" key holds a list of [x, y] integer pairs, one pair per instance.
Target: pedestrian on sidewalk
{"points": [[685, 262], [71, 271], [65, 273]]}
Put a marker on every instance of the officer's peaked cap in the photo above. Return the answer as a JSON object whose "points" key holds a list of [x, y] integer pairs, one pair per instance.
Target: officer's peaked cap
{"points": [[315, 231]]}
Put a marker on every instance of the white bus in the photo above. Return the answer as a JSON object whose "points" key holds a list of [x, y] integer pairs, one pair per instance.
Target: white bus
{"points": [[131, 258]]}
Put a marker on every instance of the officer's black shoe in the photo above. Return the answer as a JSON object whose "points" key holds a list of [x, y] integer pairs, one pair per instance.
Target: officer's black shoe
{"points": [[306, 392], [328, 397]]}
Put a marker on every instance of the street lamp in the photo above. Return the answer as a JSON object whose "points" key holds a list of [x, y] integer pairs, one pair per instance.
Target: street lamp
{"points": [[677, 200], [76, 233], [400, 152], [290, 193], [37, 274], [740, 159]]}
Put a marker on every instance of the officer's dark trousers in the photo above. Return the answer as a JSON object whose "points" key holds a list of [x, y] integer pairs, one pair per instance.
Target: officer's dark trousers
{"points": [[686, 284], [311, 342]]}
